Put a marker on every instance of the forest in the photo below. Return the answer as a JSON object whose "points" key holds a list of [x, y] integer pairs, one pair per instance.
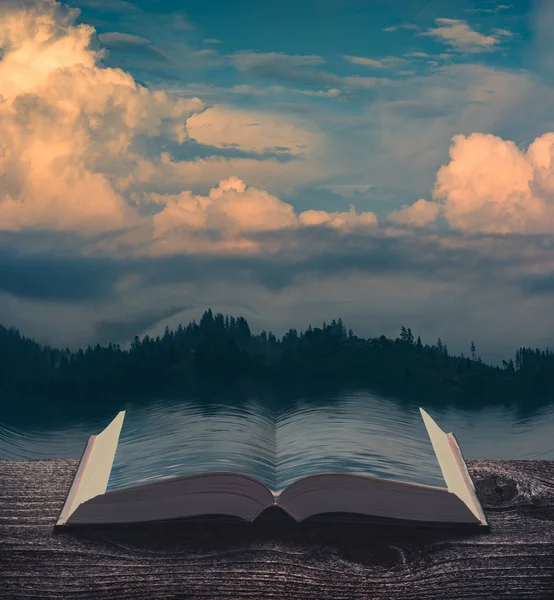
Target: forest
{"points": [[222, 350]]}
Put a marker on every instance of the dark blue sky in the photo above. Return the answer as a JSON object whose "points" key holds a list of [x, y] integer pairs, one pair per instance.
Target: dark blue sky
{"points": [[330, 29]]}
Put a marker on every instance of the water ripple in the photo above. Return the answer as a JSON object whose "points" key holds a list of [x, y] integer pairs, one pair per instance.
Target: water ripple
{"points": [[356, 432]]}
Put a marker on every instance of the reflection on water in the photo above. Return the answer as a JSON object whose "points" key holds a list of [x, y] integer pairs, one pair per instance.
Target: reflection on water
{"points": [[164, 440], [357, 432]]}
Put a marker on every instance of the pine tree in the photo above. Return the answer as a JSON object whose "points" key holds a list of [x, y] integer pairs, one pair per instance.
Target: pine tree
{"points": [[341, 328]]}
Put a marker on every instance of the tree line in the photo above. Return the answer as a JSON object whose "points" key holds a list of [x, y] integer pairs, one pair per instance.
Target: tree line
{"points": [[223, 349]]}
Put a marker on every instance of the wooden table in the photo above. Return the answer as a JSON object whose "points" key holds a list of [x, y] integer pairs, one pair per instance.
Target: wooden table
{"points": [[515, 561]]}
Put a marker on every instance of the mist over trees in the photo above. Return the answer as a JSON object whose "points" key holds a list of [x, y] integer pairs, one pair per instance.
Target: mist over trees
{"points": [[223, 349]]}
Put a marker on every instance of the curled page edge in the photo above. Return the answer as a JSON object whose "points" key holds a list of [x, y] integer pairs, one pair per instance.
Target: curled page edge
{"points": [[453, 467], [93, 473]]}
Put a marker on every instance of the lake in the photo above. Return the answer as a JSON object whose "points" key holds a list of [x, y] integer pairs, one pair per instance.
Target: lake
{"points": [[355, 431]]}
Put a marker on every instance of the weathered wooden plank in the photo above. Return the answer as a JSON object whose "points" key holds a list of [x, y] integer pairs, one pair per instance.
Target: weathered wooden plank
{"points": [[516, 560]]}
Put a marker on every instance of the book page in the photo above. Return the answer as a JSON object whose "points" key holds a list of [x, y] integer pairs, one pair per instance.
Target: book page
{"points": [[191, 437], [352, 433]]}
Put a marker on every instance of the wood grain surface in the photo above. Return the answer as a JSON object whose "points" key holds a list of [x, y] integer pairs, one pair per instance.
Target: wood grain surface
{"points": [[278, 560]]}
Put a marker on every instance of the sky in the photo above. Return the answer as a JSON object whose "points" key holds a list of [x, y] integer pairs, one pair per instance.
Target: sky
{"points": [[389, 162]]}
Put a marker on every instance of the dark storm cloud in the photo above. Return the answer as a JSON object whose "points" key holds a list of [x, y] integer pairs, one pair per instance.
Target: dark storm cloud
{"points": [[54, 277], [538, 285], [323, 252], [310, 252]]}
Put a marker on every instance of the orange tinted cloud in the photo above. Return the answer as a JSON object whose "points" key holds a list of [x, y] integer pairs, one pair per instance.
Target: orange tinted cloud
{"points": [[491, 186], [223, 126], [419, 213], [236, 210], [64, 119]]}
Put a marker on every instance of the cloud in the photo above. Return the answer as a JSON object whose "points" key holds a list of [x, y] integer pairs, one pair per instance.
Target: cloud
{"points": [[212, 41], [383, 63], [210, 52], [346, 220], [332, 93], [493, 10], [357, 82], [319, 251], [248, 61], [216, 92], [491, 186], [459, 35], [168, 175], [418, 214], [347, 189], [225, 126], [298, 70], [417, 109], [121, 330], [65, 122], [230, 212], [206, 58], [407, 26], [417, 55], [50, 276], [502, 33], [541, 51], [116, 37]]}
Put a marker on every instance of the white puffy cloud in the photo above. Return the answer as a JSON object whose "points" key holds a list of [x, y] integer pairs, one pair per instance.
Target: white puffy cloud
{"points": [[491, 186], [346, 220], [65, 122], [419, 213], [236, 210]]}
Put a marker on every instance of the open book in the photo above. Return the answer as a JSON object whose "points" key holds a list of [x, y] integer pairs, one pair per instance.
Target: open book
{"points": [[239, 496]]}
